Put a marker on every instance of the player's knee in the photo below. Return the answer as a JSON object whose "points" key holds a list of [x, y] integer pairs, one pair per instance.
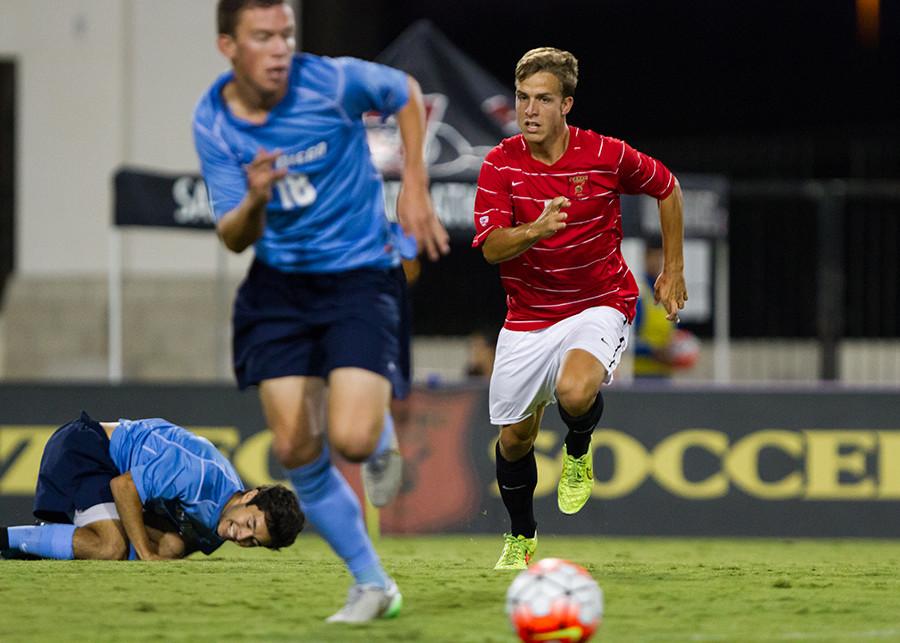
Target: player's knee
{"points": [[515, 446], [291, 451], [575, 395], [117, 550], [353, 450], [111, 548], [355, 439]]}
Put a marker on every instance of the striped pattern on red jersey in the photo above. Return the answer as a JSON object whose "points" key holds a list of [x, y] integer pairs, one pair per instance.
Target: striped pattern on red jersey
{"points": [[580, 266]]}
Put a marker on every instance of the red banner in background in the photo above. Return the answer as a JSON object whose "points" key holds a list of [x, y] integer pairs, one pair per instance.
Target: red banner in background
{"points": [[441, 485]]}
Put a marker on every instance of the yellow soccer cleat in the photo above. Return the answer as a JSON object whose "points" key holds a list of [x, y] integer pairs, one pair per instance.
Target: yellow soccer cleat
{"points": [[576, 482], [517, 552]]}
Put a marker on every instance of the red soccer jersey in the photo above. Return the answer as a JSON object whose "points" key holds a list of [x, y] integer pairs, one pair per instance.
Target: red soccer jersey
{"points": [[580, 266]]}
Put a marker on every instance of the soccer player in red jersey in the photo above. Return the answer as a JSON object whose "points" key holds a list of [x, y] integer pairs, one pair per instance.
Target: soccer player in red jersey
{"points": [[547, 210]]}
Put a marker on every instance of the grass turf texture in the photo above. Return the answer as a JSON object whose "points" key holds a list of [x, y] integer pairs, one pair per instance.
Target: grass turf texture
{"points": [[655, 590]]}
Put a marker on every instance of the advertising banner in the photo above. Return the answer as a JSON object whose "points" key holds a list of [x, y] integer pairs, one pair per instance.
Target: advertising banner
{"points": [[667, 462]]}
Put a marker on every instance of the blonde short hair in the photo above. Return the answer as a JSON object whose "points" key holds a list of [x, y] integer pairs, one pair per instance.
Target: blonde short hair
{"points": [[560, 63]]}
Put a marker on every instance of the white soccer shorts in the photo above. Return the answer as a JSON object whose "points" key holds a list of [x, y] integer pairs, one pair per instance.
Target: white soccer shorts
{"points": [[103, 511], [527, 362]]}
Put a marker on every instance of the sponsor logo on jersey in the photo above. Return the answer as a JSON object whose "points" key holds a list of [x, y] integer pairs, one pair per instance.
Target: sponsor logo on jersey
{"points": [[307, 155]]}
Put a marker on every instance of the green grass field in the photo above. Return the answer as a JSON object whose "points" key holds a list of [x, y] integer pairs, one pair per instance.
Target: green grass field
{"points": [[656, 590]]}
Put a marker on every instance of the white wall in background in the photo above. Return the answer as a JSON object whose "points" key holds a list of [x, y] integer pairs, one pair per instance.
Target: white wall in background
{"points": [[102, 83]]}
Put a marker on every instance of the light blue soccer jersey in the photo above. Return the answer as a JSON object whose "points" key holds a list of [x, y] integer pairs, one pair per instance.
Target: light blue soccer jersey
{"points": [[327, 214], [175, 469]]}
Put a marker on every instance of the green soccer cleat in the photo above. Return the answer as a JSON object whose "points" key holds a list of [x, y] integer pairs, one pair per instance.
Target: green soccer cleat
{"points": [[517, 552], [576, 482]]}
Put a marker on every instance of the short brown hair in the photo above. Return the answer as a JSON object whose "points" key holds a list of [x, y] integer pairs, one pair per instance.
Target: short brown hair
{"points": [[560, 63], [228, 11], [282, 511]]}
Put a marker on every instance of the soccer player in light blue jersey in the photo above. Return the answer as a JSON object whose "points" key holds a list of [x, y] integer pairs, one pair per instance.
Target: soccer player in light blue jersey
{"points": [[319, 322], [149, 483]]}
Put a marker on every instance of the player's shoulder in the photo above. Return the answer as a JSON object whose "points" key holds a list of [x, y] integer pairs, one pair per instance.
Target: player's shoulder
{"points": [[605, 150], [328, 68], [596, 142], [211, 103], [507, 151], [323, 75], [310, 63]]}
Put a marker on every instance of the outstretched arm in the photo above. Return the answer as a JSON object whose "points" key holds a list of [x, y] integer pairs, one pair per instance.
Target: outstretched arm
{"points": [[414, 209], [670, 289]]}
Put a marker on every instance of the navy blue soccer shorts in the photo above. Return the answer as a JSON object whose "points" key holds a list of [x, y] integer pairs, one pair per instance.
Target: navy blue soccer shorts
{"points": [[75, 471], [310, 324]]}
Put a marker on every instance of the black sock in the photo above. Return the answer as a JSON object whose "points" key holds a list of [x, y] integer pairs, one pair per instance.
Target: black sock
{"points": [[517, 481], [581, 427], [4, 538]]}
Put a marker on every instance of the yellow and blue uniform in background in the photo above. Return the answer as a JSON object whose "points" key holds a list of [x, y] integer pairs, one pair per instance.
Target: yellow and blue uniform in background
{"points": [[653, 334]]}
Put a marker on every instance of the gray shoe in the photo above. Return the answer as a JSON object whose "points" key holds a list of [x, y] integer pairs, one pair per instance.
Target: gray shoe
{"points": [[368, 602], [383, 474]]}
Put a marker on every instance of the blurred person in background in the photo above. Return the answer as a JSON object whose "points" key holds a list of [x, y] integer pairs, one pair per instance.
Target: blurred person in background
{"points": [[318, 322], [660, 347], [480, 359], [547, 210], [149, 486]]}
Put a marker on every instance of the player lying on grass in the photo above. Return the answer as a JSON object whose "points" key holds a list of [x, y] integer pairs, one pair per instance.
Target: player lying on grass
{"points": [[157, 486]]}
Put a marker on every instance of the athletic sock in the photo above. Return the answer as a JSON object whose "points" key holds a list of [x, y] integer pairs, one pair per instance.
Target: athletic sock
{"points": [[4, 538], [517, 481], [333, 509], [47, 541], [581, 427], [386, 439]]}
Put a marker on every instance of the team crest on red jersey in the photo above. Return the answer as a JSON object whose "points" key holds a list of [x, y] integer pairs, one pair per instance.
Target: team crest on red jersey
{"points": [[579, 185]]}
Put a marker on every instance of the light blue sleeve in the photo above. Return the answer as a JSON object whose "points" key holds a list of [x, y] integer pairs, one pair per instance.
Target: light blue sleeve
{"points": [[372, 87], [172, 474], [226, 182]]}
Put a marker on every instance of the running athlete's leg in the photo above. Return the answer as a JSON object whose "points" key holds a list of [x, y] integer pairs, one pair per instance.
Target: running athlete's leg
{"points": [[580, 407], [294, 410], [357, 400], [580, 400], [579, 380], [517, 479], [517, 472], [516, 440]]}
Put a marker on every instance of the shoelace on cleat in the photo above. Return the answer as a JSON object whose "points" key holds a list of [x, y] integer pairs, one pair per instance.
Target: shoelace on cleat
{"points": [[572, 471], [513, 550]]}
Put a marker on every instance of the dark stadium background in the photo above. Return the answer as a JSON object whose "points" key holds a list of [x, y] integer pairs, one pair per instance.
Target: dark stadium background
{"points": [[702, 69], [753, 90]]}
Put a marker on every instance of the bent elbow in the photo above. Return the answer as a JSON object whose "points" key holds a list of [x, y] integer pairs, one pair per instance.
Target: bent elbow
{"points": [[491, 257], [235, 245]]}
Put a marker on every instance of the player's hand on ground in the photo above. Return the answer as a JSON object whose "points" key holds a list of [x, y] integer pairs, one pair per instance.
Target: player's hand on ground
{"points": [[417, 216], [552, 219], [670, 291], [262, 174]]}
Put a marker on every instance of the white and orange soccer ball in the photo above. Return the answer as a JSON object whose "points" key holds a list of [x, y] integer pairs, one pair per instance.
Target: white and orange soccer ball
{"points": [[554, 600]]}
